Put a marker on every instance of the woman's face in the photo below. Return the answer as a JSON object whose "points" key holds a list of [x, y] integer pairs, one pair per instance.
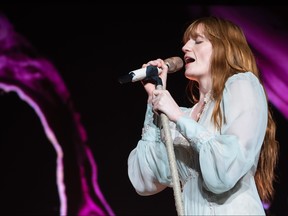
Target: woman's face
{"points": [[197, 56]]}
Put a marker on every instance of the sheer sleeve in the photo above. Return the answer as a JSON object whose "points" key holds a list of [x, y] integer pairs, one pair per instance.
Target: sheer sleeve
{"points": [[148, 167], [226, 157]]}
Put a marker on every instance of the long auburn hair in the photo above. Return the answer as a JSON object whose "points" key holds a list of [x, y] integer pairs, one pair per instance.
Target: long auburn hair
{"points": [[232, 54]]}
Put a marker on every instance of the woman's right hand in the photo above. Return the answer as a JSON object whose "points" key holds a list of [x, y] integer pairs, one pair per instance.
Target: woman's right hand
{"points": [[150, 87]]}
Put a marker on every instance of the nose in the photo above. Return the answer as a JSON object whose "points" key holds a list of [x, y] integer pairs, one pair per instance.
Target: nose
{"points": [[187, 46]]}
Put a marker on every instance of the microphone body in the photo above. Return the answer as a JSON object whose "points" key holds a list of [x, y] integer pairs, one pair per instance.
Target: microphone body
{"points": [[174, 64]]}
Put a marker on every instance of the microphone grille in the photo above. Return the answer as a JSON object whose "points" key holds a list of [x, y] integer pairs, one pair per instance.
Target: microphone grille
{"points": [[174, 64]]}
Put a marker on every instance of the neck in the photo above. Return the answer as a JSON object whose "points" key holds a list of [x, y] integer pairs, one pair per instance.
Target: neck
{"points": [[205, 96], [204, 99]]}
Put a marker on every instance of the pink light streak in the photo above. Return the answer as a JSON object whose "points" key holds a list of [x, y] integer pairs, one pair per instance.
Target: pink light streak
{"points": [[37, 82]]}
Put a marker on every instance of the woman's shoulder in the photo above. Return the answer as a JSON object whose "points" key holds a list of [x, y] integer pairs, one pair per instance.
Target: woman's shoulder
{"points": [[246, 85], [247, 77]]}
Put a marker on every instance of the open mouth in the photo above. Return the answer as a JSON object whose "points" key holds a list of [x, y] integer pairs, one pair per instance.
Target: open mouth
{"points": [[189, 60]]}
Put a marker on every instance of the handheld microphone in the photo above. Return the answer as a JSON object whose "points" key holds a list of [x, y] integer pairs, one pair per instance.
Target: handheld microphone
{"points": [[174, 64]]}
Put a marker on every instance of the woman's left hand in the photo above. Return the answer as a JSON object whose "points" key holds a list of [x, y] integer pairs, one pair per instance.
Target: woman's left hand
{"points": [[162, 101]]}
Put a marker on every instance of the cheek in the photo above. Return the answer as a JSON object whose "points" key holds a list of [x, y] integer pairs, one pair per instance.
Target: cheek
{"points": [[206, 55]]}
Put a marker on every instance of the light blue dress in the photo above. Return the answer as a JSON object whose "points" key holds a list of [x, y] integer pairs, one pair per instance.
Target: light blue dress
{"points": [[216, 168]]}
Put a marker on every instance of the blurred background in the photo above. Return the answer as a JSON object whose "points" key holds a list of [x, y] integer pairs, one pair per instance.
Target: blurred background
{"points": [[92, 45]]}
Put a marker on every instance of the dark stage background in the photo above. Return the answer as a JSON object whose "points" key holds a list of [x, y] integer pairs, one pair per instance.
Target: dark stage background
{"points": [[91, 46]]}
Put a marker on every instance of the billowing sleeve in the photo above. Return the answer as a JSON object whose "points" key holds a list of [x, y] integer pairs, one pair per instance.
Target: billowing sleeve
{"points": [[225, 157], [148, 167]]}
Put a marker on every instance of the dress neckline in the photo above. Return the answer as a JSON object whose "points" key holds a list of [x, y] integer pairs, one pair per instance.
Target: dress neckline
{"points": [[207, 99]]}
